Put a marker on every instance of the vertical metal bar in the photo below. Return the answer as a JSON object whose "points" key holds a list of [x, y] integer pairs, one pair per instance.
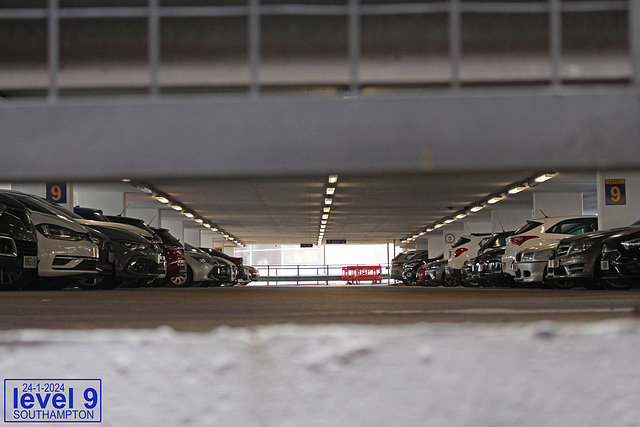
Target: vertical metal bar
{"points": [[455, 41], [254, 46], [555, 28], [53, 49], [634, 42], [354, 46], [154, 46]]}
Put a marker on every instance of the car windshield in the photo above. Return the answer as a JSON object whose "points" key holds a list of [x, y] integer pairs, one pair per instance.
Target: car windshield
{"points": [[168, 237], [461, 241], [38, 204], [637, 223], [530, 225], [193, 249]]}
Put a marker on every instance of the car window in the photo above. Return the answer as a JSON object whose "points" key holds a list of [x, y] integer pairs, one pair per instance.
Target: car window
{"points": [[530, 225], [461, 241], [483, 241], [574, 226]]}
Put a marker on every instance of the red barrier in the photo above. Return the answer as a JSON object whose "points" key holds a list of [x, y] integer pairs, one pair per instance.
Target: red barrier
{"points": [[360, 273]]}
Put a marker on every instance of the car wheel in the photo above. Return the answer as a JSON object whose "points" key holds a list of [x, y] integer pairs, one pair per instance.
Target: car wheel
{"points": [[562, 284], [94, 283], [11, 280], [616, 285], [449, 281], [183, 280]]}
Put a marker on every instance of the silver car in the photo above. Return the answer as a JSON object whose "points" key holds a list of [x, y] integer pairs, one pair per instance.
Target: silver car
{"points": [[531, 265]]}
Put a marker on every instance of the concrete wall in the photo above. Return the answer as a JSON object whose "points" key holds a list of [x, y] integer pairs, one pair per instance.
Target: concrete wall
{"points": [[542, 374], [611, 216]]}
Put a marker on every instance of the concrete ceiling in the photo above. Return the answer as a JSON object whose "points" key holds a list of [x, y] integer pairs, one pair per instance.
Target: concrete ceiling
{"points": [[374, 208]]}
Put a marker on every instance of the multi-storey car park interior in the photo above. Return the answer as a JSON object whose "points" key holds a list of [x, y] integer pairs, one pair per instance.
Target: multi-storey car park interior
{"points": [[240, 112]]}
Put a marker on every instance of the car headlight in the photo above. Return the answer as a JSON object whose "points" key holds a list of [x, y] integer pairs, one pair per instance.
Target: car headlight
{"points": [[51, 231], [135, 246], [535, 256], [580, 247], [631, 244]]}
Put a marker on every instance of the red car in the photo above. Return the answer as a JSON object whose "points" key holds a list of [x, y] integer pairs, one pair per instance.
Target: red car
{"points": [[173, 252]]}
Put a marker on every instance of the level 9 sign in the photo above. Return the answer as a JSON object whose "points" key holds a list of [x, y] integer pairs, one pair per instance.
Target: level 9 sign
{"points": [[615, 192], [52, 400], [57, 192]]}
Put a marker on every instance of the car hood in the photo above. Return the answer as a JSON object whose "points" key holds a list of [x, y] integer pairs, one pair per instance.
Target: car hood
{"points": [[594, 235], [626, 233], [117, 231]]}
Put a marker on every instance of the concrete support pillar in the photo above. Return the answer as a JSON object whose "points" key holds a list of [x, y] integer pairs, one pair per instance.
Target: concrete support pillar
{"points": [[557, 204], [618, 198], [175, 226], [192, 236], [509, 220]]}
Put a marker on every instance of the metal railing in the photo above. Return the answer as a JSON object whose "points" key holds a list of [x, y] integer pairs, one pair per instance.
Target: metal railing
{"points": [[353, 11], [307, 274]]}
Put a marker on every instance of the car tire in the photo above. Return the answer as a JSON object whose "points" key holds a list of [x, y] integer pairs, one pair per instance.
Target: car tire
{"points": [[96, 283], [616, 285], [183, 280], [11, 280]]}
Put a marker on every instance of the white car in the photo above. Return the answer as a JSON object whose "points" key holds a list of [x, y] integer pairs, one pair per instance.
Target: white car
{"points": [[464, 249], [542, 231], [65, 247], [201, 268]]}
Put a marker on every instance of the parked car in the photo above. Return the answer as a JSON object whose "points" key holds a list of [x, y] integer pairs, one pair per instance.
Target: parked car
{"points": [[464, 249], [135, 256], [620, 262], [66, 250], [576, 260], [202, 269], [173, 252], [531, 266], [397, 264], [486, 268], [18, 245], [542, 231], [235, 267], [410, 268], [435, 272]]}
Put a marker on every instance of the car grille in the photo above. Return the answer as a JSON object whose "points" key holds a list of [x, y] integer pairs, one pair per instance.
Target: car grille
{"points": [[26, 248], [562, 250]]}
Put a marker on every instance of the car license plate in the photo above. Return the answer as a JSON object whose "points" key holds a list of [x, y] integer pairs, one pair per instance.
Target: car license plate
{"points": [[30, 262], [554, 263], [604, 265]]}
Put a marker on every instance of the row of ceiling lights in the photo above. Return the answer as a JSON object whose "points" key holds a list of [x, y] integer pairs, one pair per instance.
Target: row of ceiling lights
{"points": [[326, 208], [164, 199], [476, 207]]}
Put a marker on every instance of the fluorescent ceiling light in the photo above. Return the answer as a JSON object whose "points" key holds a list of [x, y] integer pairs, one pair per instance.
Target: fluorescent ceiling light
{"points": [[214, 229], [176, 207], [438, 225], [144, 188], [461, 215], [495, 199], [544, 177], [162, 199], [333, 179], [327, 209], [429, 230], [187, 214], [324, 221], [325, 216], [328, 201], [448, 220], [422, 233], [330, 191], [207, 225], [476, 208], [198, 220], [517, 189]]}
